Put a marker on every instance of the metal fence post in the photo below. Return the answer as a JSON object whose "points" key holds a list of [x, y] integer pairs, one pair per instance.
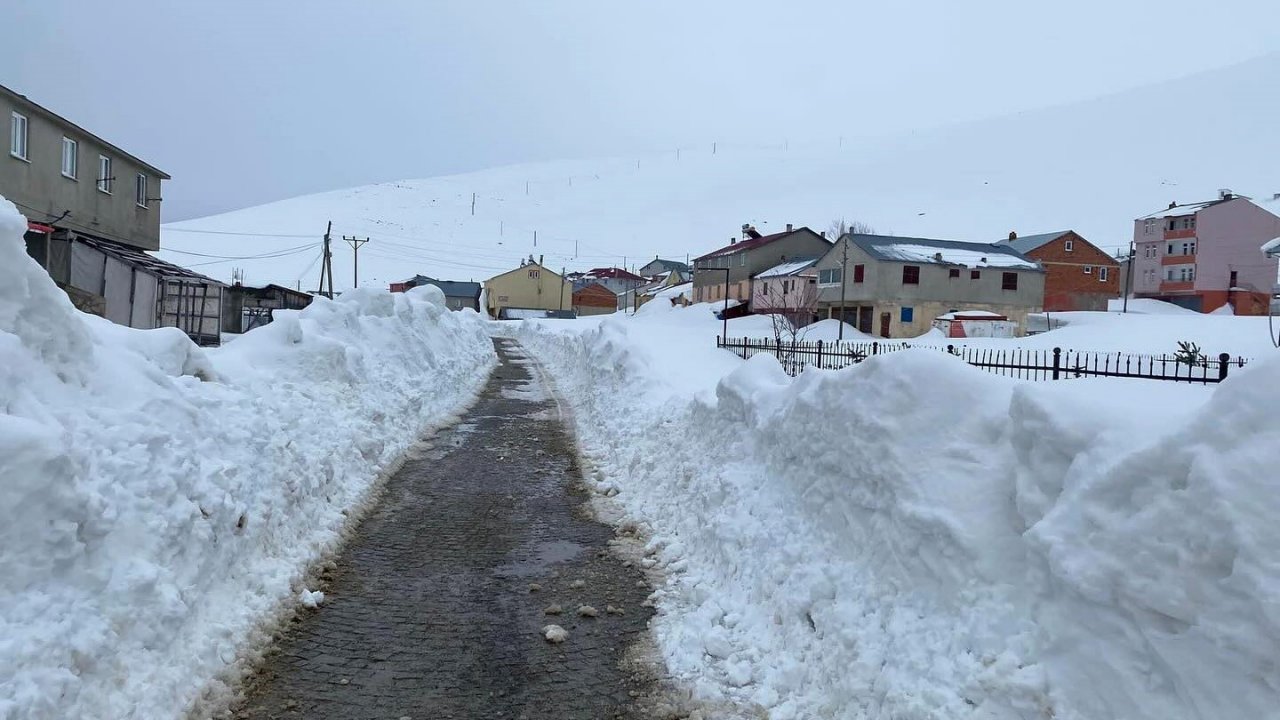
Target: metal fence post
{"points": [[1224, 364], [1057, 362], [819, 353], [875, 347]]}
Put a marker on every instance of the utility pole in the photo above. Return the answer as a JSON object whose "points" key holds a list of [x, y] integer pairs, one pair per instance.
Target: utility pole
{"points": [[713, 148], [535, 238], [473, 204], [326, 265], [1128, 280], [562, 288], [355, 244], [844, 279]]}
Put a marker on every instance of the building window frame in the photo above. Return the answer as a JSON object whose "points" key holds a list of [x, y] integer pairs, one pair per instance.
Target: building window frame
{"points": [[1069, 245], [953, 273], [70, 158], [859, 273], [1103, 273], [1009, 281], [975, 274], [19, 135], [106, 183], [907, 314], [910, 274], [1088, 269], [140, 190]]}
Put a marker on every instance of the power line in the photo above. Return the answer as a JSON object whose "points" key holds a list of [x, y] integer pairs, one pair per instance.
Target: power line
{"points": [[243, 234], [271, 254]]}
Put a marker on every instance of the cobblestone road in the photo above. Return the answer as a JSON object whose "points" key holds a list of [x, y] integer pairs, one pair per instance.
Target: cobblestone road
{"points": [[430, 614]]}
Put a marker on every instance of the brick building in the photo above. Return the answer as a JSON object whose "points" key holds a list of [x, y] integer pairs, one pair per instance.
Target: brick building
{"points": [[594, 299], [1078, 275]]}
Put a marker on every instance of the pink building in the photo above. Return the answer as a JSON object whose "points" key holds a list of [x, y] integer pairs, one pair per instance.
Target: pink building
{"points": [[790, 289], [1204, 255]]}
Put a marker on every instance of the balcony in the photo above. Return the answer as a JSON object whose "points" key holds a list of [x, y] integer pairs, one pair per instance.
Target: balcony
{"points": [[1176, 286], [1178, 260], [1179, 234]]}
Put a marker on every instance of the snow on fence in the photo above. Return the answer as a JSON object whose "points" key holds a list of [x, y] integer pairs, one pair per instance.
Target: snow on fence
{"points": [[1021, 363]]}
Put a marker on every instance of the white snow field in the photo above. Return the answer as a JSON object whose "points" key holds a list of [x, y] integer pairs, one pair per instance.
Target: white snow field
{"points": [[915, 538], [1074, 167], [159, 502]]}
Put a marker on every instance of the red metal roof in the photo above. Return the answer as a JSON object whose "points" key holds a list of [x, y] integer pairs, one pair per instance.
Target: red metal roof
{"points": [[37, 227], [612, 273], [746, 244]]}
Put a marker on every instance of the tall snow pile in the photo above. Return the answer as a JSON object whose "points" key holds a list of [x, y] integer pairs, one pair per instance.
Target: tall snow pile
{"points": [[158, 501], [916, 538]]}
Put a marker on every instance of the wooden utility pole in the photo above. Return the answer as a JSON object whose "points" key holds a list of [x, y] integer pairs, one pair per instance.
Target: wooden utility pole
{"points": [[535, 238], [1128, 280], [844, 279], [326, 265], [355, 244], [473, 204]]}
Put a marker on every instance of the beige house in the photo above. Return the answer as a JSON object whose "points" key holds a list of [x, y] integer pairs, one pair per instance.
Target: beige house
{"points": [[530, 287]]}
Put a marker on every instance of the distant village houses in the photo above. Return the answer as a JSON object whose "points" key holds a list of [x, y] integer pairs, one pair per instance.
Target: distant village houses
{"points": [[529, 291], [728, 272], [457, 295], [1078, 274]]}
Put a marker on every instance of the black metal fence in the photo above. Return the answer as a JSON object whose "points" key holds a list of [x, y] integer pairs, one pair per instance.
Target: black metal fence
{"points": [[1021, 363]]}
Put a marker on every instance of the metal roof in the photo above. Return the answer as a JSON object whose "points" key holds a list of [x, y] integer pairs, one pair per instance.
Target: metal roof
{"points": [[751, 244], [148, 263], [450, 288], [791, 267], [953, 252], [1027, 243]]}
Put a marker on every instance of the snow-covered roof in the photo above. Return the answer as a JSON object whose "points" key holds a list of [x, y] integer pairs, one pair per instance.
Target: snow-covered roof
{"points": [[1272, 247], [1186, 209], [943, 252], [788, 268], [674, 292], [1027, 243]]}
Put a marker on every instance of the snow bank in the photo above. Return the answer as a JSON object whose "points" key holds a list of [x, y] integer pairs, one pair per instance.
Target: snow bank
{"points": [[915, 538], [159, 502]]}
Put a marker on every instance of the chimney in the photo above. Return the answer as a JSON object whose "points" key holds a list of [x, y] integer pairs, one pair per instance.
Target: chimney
{"points": [[788, 227], [539, 259], [937, 257], [1224, 194], [1275, 196], [1013, 235], [1173, 204], [824, 232]]}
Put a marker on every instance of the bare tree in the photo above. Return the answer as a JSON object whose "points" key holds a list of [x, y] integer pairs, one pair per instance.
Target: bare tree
{"points": [[841, 226], [791, 304]]}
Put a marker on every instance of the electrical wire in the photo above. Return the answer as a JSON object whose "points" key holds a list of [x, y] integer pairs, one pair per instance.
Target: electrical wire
{"points": [[243, 234], [271, 254]]}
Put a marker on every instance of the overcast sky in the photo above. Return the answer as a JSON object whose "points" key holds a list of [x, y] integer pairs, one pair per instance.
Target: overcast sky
{"points": [[245, 101]]}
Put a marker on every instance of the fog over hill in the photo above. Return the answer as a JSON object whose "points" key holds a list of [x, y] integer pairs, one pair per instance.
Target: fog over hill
{"points": [[1090, 166]]}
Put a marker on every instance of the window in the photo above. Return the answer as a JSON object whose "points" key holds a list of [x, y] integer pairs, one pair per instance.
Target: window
{"points": [[858, 271], [1009, 281], [1070, 245], [105, 181], [953, 272], [1232, 282], [533, 274], [784, 286], [764, 289], [1148, 226], [742, 259], [1170, 273], [910, 274], [18, 136], [1170, 249], [1102, 274], [1088, 269], [140, 194], [907, 314], [975, 274], [70, 158], [829, 277], [1193, 249]]}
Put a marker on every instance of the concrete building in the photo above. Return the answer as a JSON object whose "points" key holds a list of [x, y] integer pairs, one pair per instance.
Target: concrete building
{"points": [[658, 266], [789, 289], [746, 258], [896, 286], [616, 280], [529, 287], [1078, 275], [1204, 255], [457, 295], [92, 211]]}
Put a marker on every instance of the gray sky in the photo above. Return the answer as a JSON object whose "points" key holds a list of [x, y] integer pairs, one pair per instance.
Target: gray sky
{"points": [[245, 101]]}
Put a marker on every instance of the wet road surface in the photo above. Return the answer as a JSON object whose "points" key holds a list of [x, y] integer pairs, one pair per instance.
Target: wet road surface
{"points": [[430, 613]]}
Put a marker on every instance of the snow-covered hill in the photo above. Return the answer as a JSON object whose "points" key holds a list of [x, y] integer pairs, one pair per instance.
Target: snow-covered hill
{"points": [[1090, 166]]}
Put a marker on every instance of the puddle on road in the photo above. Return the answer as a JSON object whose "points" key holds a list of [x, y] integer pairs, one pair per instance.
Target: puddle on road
{"points": [[544, 555]]}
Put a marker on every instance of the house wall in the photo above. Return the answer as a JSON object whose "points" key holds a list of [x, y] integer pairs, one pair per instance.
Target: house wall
{"points": [[937, 293], [1067, 286], [42, 193], [1227, 237], [531, 286], [746, 264]]}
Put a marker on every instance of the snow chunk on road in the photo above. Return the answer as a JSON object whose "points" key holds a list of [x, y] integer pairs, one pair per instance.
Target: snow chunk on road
{"points": [[311, 598], [555, 633], [159, 500]]}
